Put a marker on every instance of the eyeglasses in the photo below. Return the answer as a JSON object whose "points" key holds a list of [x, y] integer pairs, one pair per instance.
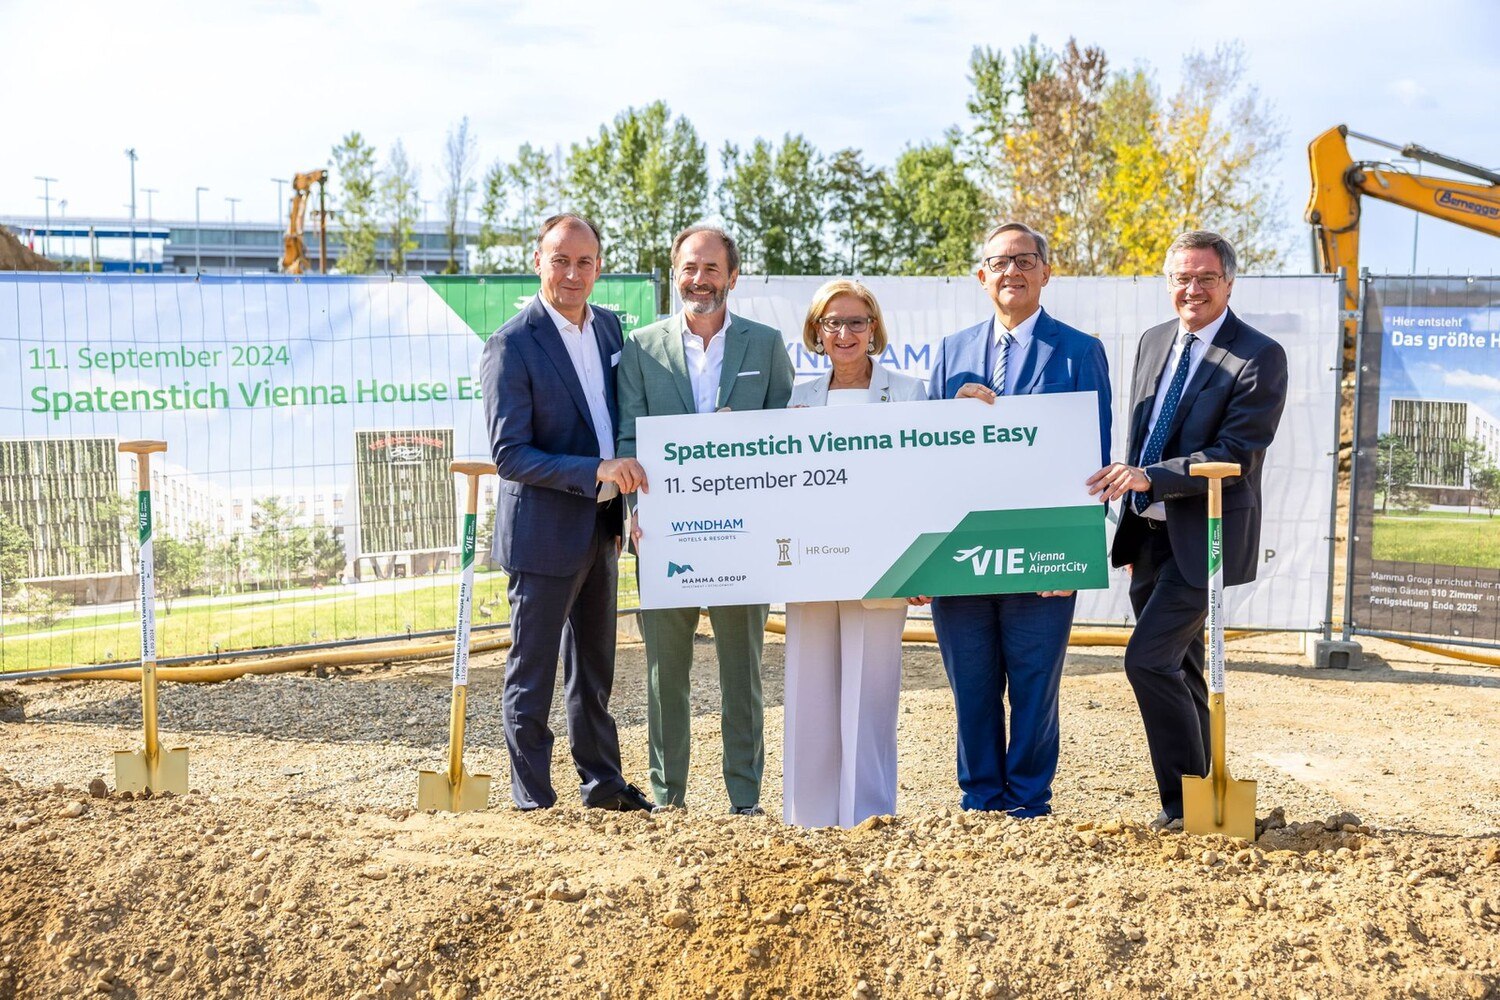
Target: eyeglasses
{"points": [[854, 324], [1207, 282], [1023, 261]]}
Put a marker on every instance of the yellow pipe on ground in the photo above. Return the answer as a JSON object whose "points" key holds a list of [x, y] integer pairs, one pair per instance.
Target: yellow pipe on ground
{"points": [[287, 664], [1427, 647], [922, 631]]}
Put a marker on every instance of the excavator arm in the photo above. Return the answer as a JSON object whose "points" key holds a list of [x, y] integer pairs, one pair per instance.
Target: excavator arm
{"points": [[1339, 182], [294, 249]]}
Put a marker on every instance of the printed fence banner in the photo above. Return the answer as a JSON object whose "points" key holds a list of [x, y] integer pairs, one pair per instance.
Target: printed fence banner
{"points": [[304, 496], [1292, 587], [1427, 490]]}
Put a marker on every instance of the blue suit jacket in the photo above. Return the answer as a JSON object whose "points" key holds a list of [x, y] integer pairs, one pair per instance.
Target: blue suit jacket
{"points": [[1058, 359], [543, 441]]}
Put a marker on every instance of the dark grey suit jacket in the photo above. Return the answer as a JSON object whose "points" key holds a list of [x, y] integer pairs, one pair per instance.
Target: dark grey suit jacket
{"points": [[543, 440], [1228, 413]]}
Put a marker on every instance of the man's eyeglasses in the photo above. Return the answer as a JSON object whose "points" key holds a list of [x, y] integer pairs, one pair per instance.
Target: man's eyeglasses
{"points": [[1023, 261], [1207, 282], [854, 324]]}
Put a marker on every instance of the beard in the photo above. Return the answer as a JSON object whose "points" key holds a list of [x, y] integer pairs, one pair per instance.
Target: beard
{"points": [[702, 307]]}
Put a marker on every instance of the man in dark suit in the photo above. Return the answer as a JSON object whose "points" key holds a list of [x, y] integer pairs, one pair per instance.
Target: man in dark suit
{"points": [[999, 644], [549, 398], [1207, 388]]}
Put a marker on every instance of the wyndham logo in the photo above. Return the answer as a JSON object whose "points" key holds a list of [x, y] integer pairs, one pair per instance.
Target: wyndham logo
{"points": [[709, 526], [675, 570]]}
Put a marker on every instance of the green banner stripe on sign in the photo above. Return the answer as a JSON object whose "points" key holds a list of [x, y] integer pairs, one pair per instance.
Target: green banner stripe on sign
{"points": [[484, 302], [1004, 552]]}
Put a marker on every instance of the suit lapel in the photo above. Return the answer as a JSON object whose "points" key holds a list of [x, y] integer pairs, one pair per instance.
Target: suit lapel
{"points": [[1154, 347], [1213, 356], [1043, 341], [608, 349], [550, 338], [736, 341], [880, 382], [676, 359]]}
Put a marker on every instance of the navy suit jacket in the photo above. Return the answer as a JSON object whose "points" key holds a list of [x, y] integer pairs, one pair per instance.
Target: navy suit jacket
{"points": [[1058, 359], [543, 441], [1228, 413]]}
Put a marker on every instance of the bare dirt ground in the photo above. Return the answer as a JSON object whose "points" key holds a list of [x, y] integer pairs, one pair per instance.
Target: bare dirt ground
{"points": [[297, 867]]}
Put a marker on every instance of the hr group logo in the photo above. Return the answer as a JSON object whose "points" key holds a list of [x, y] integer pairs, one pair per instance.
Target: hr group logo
{"points": [[783, 551], [675, 570]]}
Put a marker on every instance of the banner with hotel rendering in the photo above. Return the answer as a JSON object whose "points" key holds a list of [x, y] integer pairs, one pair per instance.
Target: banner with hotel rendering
{"points": [[1427, 491]]}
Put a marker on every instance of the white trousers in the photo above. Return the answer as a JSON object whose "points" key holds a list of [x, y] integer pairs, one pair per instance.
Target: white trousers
{"points": [[843, 687]]}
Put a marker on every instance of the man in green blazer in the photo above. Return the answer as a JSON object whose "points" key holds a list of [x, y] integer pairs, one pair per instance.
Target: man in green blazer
{"points": [[703, 360]]}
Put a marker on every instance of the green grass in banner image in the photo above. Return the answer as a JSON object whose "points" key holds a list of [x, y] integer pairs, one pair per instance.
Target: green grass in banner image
{"points": [[1438, 538], [249, 621]]}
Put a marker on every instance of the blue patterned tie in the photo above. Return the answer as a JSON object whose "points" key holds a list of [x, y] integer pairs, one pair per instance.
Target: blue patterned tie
{"points": [[997, 380], [1151, 454]]}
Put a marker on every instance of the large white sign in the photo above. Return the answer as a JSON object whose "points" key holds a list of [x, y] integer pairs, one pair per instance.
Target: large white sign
{"points": [[792, 505], [1301, 313]]}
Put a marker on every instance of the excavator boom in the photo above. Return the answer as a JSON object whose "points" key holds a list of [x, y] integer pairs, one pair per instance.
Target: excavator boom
{"points": [[294, 249]]}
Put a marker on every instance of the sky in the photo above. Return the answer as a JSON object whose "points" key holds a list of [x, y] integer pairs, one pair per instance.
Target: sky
{"points": [[228, 96]]}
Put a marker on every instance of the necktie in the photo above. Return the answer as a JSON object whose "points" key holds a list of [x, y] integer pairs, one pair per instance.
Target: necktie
{"points": [[1151, 454], [997, 380]]}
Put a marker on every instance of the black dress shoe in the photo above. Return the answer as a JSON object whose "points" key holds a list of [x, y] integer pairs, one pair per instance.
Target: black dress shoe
{"points": [[627, 799]]}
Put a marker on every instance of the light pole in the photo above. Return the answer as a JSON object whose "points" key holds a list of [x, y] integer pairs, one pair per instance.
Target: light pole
{"points": [[62, 209], [130, 155], [232, 202], [148, 192], [278, 181], [423, 241], [198, 229], [46, 197]]}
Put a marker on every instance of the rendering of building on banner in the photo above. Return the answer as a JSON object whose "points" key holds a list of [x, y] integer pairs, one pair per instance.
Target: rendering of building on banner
{"points": [[404, 523], [1438, 433]]}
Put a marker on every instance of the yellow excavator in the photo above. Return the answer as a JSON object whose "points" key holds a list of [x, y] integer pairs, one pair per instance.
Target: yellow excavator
{"points": [[1339, 182], [294, 250]]}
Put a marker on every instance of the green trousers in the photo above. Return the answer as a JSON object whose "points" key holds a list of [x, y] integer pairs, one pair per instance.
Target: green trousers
{"points": [[739, 632]]}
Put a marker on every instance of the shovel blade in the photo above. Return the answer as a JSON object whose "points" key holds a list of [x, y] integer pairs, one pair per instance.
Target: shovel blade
{"points": [[435, 791], [1203, 811], [167, 772]]}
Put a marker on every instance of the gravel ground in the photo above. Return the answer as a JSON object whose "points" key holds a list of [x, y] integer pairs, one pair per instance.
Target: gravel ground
{"points": [[297, 867]]}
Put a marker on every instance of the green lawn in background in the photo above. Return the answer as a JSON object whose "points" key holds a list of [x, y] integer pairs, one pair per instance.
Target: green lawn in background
{"points": [[236, 623], [1442, 539]]}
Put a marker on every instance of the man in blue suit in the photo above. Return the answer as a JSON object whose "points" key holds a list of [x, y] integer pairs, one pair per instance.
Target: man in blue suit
{"points": [[995, 644], [549, 397]]}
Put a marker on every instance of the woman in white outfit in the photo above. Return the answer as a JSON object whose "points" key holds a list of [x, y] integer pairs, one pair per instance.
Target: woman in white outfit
{"points": [[843, 658]]}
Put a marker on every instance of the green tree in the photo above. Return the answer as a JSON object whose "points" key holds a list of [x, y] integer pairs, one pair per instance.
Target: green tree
{"points": [[458, 165], [226, 559], [179, 565], [359, 230], [15, 548], [1396, 469], [936, 210], [518, 196], [643, 179], [775, 201], [42, 608], [1485, 482], [401, 204], [281, 548], [859, 229], [327, 556]]}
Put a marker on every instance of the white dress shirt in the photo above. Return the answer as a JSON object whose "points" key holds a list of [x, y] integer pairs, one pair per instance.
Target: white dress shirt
{"points": [[705, 365], [1158, 510], [583, 351], [1022, 337]]}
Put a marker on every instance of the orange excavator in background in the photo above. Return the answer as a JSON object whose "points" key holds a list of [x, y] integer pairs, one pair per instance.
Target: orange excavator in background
{"points": [[294, 253], [1339, 181]]}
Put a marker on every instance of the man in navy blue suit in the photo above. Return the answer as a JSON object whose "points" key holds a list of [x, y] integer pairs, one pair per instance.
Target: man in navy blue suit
{"points": [[999, 644], [549, 397]]}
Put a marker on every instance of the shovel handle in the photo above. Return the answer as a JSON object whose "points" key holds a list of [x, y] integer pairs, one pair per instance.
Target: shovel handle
{"points": [[144, 449]]}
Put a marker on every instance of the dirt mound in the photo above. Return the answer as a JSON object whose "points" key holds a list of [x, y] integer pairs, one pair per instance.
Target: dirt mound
{"points": [[16, 256], [295, 870]]}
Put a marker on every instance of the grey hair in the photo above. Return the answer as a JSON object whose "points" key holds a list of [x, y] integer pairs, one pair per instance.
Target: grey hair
{"points": [[1203, 239], [1020, 227], [731, 248], [569, 219]]}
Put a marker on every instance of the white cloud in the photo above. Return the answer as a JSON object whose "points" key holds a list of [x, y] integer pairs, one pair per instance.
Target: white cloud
{"points": [[1472, 380], [1410, 93]]}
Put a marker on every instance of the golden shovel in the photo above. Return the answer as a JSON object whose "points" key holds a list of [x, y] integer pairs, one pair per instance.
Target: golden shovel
{"points": [[151, 768], [1217, 803], [456, 790]]}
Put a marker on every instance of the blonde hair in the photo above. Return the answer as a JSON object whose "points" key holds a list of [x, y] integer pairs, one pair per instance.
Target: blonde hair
{"points": [[832, 290]]}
